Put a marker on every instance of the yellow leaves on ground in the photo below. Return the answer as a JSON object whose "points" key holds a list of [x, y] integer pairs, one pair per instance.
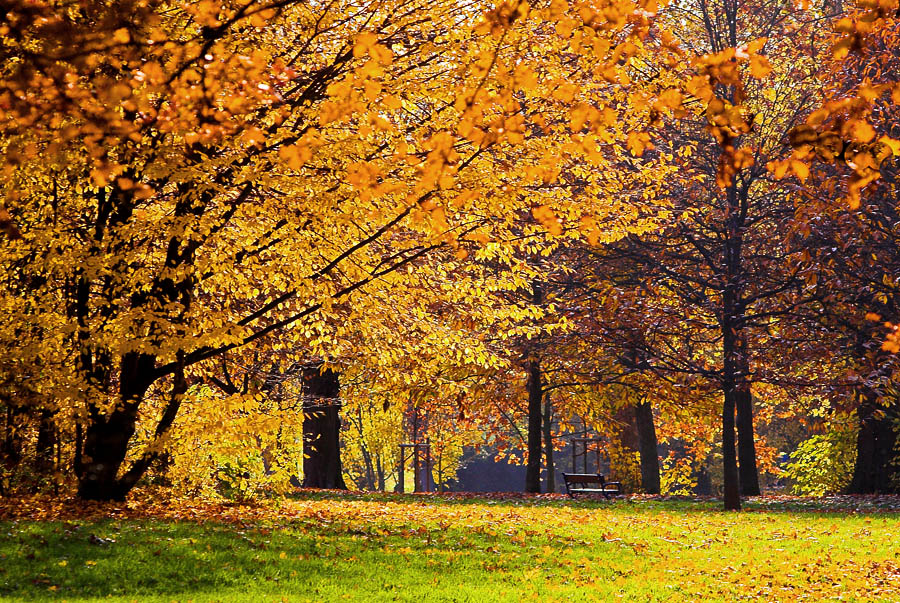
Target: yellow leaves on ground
{"points": [[543, 547]]}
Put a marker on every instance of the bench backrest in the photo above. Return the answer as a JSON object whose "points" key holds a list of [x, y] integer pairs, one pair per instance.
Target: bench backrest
{"points": [[583, 478]]}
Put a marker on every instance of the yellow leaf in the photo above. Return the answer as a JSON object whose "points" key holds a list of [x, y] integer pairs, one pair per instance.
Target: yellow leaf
{"points": [[668, 99], [638, 142], [891, 143], [800, 169], [364, 42], [859, 130], [121, 36], [295, 155], [548, 219], [759, 66]]}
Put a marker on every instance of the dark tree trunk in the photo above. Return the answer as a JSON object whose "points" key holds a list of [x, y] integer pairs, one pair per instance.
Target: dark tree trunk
{"points": [[46, 442], [105, 445], [106, 438], [12, 444], [548, 445], [647, 446], [535, 396], [733, 359], [379, 472], [78, 459], [749, 474], [322, 430], [729, 458], [704, 481], [874, 471]]}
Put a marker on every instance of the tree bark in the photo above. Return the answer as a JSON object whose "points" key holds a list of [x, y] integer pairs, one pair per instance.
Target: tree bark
{"points": [[550, 480], [874, 471], [106, 437], [321, 430], [46, 442], [12, 444], [535, 396], [647, 445], [731, 322], [749, 475], [729, 458]]}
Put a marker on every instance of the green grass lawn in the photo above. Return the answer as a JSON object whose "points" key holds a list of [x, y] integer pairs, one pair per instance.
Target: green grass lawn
{"points": [[325, 547]]}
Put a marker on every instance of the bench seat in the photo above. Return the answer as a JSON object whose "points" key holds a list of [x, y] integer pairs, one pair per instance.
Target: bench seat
{"points": [[584, 483]]}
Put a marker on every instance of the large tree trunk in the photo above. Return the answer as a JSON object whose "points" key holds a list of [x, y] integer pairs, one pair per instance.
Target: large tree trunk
{"points": [[535, 396], [875, 472], [733, 358], [321, 430], [107, 437], [105, 445], [647, 446], [729, 458], [729, 402], [749, 475], [550, 480]]}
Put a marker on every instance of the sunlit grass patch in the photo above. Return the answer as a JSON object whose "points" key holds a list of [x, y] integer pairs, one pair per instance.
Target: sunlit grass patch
{"points": [[383, 548]]}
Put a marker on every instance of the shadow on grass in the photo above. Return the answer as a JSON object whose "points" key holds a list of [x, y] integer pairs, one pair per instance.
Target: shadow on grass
{"points": [[836, 505], [41, 560]]}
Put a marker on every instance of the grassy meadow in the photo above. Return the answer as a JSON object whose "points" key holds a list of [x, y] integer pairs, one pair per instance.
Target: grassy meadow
{"points": [[331, 547]]}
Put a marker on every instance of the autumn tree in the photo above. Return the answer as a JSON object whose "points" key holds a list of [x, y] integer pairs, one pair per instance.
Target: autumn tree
{"points": [[848, 221], [222, 173]]}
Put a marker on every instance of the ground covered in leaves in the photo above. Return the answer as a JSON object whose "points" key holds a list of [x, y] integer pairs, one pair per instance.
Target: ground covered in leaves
{"points": [[328, 547]]}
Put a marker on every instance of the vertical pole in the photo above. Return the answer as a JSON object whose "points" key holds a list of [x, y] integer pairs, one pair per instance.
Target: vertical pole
{"points": [[400, 469], [574, 444], [415, 460], [417, 484], [428, 484], [440, 472]]}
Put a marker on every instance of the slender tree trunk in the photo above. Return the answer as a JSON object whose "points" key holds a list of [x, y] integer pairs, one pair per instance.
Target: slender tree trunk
{"points": [[12, 444], [77, 458], [732, 358], [46, 441], [548, 444], [647, 445], [321, 430], [749, 475], [535, 396], [729, 402], [379, 472], [874, 471], [367, 458]]}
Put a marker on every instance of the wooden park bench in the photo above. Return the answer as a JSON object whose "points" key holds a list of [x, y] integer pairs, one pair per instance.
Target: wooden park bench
{"points": [[590, 483]]}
